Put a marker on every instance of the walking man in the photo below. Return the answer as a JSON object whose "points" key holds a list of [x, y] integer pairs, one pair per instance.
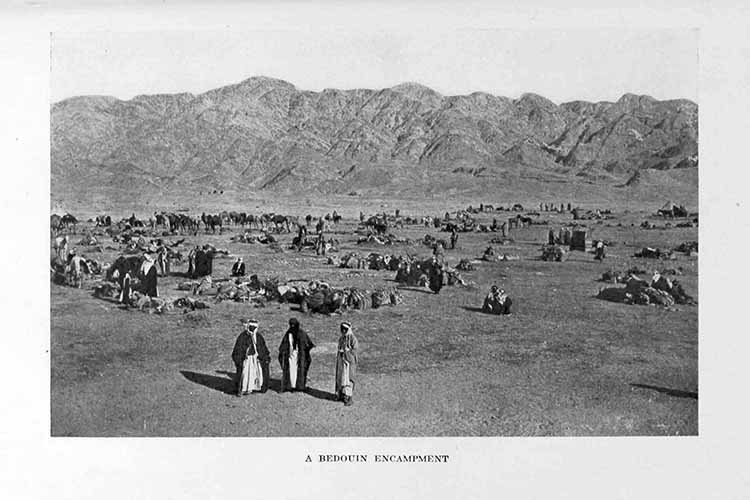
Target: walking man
{"points": [[346, 364]]}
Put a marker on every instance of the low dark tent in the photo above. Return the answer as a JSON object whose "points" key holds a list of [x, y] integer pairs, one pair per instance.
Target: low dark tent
{"points": [[204, 263], [578, 240]]}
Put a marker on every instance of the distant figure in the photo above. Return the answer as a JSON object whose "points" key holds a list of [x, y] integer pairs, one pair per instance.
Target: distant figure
{"points": [[454, 238], [61, 248], [320, 244], [346, 364], [436, 278], [163, 260], [238, 269], [439, 253], [75, 275], [504, 229], [599, 251], [294, 357], [551, 237], [191, 260], [251, 360], [301, 237], [568, 206]]}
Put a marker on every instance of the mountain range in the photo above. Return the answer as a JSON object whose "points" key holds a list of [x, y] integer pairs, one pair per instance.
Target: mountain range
{"points": [[264, 134]]}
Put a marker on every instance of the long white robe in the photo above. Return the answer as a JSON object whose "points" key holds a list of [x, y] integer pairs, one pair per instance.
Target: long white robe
{"points": [[251, 378], [293, 354]]}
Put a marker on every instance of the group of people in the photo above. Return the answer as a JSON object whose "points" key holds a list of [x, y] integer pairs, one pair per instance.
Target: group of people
{"points": [[497, 301], [252, 360]]}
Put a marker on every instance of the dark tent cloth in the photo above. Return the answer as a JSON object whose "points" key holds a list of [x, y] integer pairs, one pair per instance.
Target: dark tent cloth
{"points": [[244, 347], [149, 282], [204, 261], [304, 345]]}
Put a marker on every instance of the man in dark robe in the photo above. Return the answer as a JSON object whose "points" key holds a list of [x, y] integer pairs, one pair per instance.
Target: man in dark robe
{"points": [[252, 359], [149, 282], [238, 269], [436, 278], [294, 357], [454, 238]]}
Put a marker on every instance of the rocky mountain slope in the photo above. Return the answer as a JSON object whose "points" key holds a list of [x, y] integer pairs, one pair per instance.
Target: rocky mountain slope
{"points": [[265, 134]]}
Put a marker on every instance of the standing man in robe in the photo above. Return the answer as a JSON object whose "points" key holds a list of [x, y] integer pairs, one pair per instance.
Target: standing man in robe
{"points": [[251, 359], [294, 357], [148, 271], [346, 364]]}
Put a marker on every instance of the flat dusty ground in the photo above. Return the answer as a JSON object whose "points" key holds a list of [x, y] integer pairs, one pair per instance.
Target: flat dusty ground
{"points": [[564, 363]]}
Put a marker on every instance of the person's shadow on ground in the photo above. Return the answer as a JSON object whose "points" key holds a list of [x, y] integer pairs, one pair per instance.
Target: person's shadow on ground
{"points": [[227, 384]]}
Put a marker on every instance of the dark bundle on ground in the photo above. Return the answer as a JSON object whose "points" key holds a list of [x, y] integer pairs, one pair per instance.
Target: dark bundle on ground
{"points": [[611, 276], [383, 297], [384, 239], [190, 304], [554, 253], [687, 247], [660, 291], [378, 262], [653, 253], [489, 254], [353, 260], [323, 301], [357, 299], [107, 290], [497, 302], [424, 272], [431, 241], [465, 265], [271, 288], [636, 270]]}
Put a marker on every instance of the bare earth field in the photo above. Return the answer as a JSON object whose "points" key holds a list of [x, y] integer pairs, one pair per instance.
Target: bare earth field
{"points": [[564, 363]]}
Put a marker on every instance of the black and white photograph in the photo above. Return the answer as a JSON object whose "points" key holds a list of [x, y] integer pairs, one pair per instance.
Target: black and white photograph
{"points": [[347, 234], [375, 249]]}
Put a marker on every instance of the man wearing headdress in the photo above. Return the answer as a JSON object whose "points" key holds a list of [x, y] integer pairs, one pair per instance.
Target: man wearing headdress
{"points": [[148, 273], [251, 359], [294, 357], [346, 364], [238, 269]]}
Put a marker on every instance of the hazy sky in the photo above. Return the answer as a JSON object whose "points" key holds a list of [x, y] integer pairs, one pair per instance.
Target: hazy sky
{"points": [[561, 65]]}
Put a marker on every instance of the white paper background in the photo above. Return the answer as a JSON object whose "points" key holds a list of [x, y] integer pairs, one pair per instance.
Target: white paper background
{"points": [[32, 465]]}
